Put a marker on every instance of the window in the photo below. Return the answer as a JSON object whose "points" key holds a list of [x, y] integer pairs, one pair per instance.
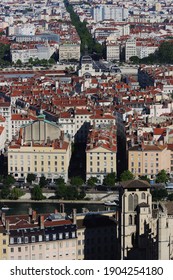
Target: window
{"points": [[54, 236], [130, 202], [40, 238], [130, 220], [32, 238], [4, 241], [26, 239], [60, 236], [143, 196], [19, 240], [4, 251], [67, 235], [47, 237], [73, 234], [19, 249]]}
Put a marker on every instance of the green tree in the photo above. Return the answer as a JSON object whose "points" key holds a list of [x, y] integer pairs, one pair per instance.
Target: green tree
{"points": [[61, 191], [36, 193], [162, 177], [134, 59], [16, 193], [9, 180], [60, 181], [5, 193], [126, 175], [110, 179], [42, 181], [19, 62], [159, 194], [77, 181], [170, 197], [92, 181], [31, 177], [144, 178]]}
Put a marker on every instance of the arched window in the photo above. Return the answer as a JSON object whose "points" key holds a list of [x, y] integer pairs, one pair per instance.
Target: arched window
{"points": [[130, 220], [130, 201], [143, 195], [135, 201]]}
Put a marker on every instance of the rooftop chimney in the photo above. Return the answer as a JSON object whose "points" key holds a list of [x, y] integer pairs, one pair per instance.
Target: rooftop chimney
{"points": [[3, 218], [74, 216], [7, 226], [34, 215], [62, 208], [41, 221]]}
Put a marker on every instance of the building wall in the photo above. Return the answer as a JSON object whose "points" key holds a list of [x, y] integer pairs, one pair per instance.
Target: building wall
{"points": [[148, 162], [100, 162], [69, 51], [52, 250], [47, 161]]}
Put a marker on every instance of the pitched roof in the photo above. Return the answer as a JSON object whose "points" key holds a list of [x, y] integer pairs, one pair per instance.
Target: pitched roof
{"points": [[135, 184]]}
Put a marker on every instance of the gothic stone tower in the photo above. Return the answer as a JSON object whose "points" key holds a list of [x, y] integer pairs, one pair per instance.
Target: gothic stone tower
{"points": [[136, 223]]}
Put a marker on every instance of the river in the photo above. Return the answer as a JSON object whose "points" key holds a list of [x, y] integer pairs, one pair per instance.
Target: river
{"points": [[17, 208]]}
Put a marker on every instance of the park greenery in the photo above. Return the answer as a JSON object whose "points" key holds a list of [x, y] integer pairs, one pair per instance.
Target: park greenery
{"points": [[162, 177], [126, 175], [164, 54], [110, 179], [87, 41], [5, 59]]}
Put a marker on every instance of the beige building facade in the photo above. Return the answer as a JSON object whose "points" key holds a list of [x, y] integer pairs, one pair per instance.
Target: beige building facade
{"points": [[41, 149], [101, 152], [148, 160], [69, 52]]}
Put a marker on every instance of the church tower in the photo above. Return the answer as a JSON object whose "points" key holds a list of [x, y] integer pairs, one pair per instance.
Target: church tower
{"points": [[135, 219]]}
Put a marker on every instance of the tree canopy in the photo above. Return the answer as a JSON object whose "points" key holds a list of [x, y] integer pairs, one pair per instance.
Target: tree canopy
{"points": [[92, 181], [127, 175], [162, 177], [110, 179], [84, 34], [30, 177], [36, 193]]}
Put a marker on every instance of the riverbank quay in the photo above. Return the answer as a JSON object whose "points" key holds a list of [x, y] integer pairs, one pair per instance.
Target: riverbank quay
{"points": [[52, 201]]}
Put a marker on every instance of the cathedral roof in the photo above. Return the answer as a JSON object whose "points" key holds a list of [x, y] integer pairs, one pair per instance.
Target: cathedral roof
{"points": [[135, 184]]}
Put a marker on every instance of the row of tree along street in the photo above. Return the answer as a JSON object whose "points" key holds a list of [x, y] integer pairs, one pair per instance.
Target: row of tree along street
{"points": [[76, 190]]}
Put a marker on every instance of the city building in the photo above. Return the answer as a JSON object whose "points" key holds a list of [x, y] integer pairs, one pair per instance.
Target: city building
{"points": [[148, 160], [69, 52], [130, 49], [42, 149], [25, 52], [112, 52], [5, 112], [37, 237], [101, 152]]}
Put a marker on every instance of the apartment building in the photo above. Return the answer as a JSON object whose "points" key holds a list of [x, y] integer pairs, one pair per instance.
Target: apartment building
{"points": [[5, 112], [37, 237], [112, 52], [25, 52], [130, 49], [148, 160], [69, 52], [41, 149], [101, 152], [97, 237]]}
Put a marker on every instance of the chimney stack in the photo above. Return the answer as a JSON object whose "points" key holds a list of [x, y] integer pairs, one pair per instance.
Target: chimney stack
{"points": [[62, 208], [74, 216], [7, 226], [34, 216], [30, 214], [3, 218], [41, 221]]}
